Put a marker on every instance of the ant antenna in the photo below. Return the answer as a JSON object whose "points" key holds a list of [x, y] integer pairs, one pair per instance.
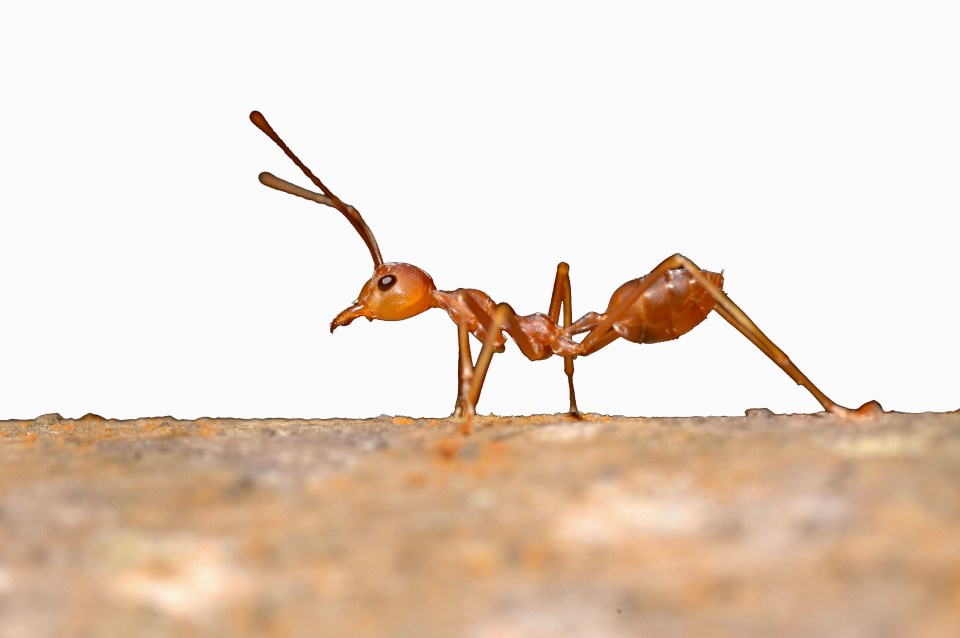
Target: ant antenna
{"points": [[328, 198]]}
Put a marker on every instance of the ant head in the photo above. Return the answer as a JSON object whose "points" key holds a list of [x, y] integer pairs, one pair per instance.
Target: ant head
{"points": [[396, 291]]}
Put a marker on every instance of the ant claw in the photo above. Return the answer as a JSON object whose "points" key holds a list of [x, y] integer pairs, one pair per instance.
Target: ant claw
{"points": [[869, 410]]}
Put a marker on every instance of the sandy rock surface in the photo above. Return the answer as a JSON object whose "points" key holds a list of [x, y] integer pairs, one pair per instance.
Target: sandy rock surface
{"points": [[528, 527]]}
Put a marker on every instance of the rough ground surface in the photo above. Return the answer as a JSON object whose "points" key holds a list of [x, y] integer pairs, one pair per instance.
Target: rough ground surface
{"points": [[532, 527]]}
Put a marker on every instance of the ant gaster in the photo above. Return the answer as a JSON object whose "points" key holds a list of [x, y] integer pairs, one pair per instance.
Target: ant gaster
{"points": [[662, 305]]}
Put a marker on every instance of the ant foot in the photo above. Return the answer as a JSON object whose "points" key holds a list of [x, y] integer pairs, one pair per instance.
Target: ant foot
{"points": [[868, 410], [463, 414], [463, 410]]}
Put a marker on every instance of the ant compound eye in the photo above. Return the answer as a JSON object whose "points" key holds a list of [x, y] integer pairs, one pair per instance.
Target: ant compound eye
{"points": [[386, 282]]}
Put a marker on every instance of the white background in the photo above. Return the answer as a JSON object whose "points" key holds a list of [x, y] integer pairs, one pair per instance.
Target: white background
{"points": [[810, 150]]}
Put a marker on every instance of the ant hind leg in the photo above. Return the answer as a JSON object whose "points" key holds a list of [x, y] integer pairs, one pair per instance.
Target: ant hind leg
{"points": [[726, 308], [737, 318]]}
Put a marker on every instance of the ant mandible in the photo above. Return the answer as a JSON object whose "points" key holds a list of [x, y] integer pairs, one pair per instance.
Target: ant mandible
{"points": [[668, 302]]}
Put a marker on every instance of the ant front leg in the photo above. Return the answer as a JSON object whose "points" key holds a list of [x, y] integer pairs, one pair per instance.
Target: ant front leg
{"points": [[472, 375], [562, 296], [737, 318], [464, 372]]}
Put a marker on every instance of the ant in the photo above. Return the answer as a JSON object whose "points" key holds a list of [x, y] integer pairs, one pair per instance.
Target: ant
{"points": [[663, 305]]}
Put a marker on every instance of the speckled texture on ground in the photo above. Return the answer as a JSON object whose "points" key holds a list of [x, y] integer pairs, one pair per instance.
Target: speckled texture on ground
{"points": [[534, 527]]}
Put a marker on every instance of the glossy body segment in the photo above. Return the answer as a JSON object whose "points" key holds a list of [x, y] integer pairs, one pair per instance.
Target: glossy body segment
{"points": [[658, 309], [672, 306]]}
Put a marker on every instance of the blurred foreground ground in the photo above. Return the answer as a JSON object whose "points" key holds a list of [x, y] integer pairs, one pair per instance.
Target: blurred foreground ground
{"points": [[530, 527]]}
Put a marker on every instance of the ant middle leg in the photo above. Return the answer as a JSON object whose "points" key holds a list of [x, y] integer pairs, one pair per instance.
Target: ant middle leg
{"points": [[562, 296]]}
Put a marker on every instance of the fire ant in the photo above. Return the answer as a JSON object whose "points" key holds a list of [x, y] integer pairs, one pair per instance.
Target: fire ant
{"points": [[668, 302]]}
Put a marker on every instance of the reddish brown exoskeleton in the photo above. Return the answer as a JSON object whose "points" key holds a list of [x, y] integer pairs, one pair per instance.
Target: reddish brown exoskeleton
{"points": [[663, 305]]}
